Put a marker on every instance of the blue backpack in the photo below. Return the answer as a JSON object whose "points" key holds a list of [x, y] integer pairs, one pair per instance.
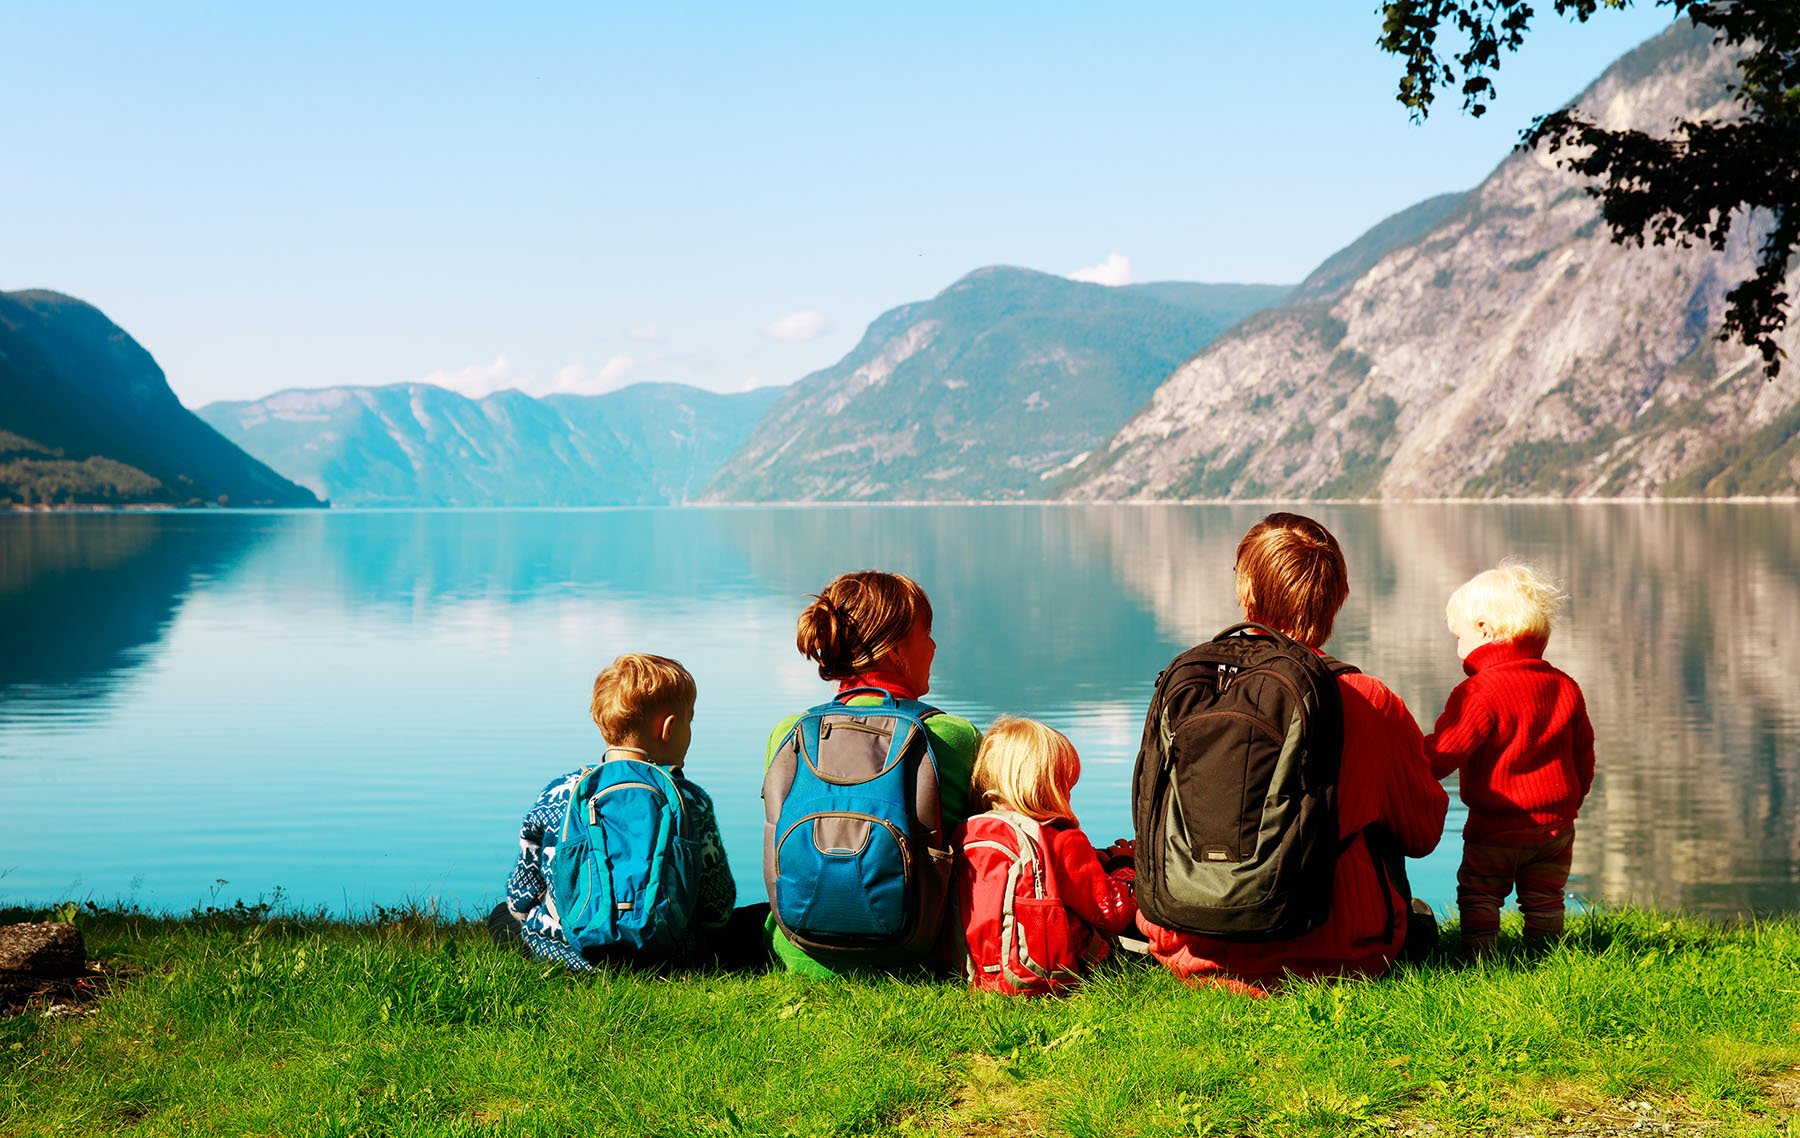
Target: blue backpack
{"points": [[625, 872], [854, 855]]}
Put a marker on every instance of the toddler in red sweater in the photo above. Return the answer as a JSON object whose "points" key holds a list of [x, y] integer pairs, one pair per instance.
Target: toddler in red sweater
{"points": [[1517, 730], [1035, 902]]}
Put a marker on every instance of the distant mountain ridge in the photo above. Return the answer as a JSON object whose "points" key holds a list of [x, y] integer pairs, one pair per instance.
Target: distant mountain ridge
{"points": [[1499, 346], [984, 391], [87, 418], [419, 445]]}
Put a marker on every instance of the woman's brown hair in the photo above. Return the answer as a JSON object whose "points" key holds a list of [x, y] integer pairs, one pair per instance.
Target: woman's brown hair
{"points": [[857, 619], [1291, 577]]}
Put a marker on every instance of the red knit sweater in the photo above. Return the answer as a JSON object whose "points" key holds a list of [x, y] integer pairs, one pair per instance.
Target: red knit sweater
{"points": [[1518, 731], [1383, 778]]}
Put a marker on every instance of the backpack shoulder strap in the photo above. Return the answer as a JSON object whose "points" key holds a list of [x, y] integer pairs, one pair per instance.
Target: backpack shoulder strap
{"points": [[1337, 667], [922, 711]]}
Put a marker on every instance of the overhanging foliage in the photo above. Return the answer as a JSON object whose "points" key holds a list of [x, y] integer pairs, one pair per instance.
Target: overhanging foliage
{"points": [[1690, 185]]}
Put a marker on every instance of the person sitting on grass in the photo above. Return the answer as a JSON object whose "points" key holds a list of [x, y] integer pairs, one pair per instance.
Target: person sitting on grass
{"points": [[1292, 578], [1517, 730], [644, 707], [1036, 904], [870, 633]]}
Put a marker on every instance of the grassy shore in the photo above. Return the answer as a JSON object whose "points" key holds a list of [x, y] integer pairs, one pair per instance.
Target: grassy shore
{"points": [[238, 1023]]}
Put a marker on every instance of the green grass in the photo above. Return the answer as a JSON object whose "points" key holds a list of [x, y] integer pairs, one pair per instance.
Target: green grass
{"points": [[229, 1023]]}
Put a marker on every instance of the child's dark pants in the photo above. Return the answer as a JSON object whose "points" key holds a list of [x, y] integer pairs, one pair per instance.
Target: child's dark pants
{"points": [[1490, 870]]}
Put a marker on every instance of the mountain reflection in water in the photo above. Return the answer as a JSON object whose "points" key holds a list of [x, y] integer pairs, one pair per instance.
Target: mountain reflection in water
{"points": [[356, 707]]}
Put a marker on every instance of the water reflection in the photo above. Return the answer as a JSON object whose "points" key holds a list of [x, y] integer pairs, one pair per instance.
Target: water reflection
{"points": [[1683, 628], [420, 674], [85, 598]]}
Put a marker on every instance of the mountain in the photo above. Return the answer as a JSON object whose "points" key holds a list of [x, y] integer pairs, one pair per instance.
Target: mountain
{"points": [[86, 417], [418, 445], [985, 391], [1506, 348], [1341, 270]]}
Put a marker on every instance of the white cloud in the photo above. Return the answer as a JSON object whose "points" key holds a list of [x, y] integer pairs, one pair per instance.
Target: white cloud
{"points": [[579, 379], [799, 327], [1115, 271], [480, 380], [476, 380], [644, 332]]}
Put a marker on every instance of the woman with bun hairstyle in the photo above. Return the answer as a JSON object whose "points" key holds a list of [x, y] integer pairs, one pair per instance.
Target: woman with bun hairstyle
{"points": [[870, 629]]}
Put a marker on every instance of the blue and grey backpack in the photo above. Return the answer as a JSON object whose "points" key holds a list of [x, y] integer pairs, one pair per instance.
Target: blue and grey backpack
{"points": [[854, 855], [625, 872]]}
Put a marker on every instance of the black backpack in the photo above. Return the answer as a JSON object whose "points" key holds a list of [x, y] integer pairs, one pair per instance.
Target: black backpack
{"points": [[1235, 794]]}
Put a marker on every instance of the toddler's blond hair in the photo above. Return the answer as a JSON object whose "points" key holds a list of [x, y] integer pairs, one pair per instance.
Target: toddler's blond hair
{"points": [[632, 690], [1514, 600], [1027, 766]]}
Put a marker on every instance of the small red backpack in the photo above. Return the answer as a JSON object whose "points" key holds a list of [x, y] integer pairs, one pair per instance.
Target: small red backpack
{"points": [[1018, 937]]}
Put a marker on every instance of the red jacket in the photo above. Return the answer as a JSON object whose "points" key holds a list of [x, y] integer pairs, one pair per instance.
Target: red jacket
{"points": [[1103, 900], [1039, 944], [1383, 778], [1518, 731]]}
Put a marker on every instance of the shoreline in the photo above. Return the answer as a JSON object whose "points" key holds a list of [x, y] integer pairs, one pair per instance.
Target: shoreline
{"points": [[958, 503]]}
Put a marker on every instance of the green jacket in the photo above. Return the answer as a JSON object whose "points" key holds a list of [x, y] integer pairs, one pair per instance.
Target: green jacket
{"points": [[954, 741]]}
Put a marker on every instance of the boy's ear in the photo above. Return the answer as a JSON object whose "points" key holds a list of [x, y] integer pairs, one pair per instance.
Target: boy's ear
{"points": [[665, 726]]}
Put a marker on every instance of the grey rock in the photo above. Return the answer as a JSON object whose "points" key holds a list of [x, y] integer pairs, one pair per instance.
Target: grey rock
{"points": [[48, 950]]}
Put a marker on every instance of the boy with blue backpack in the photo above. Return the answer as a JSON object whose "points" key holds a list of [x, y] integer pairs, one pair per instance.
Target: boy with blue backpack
{"points": [[620, 860]]}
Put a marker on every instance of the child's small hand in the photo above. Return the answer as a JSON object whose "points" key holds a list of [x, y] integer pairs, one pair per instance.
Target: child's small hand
{"points": [[1120, 854]]}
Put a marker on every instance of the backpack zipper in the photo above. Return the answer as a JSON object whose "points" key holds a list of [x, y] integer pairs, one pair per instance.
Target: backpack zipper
{"points": [[899, 838], [1168, 735], [825, 729], [899, 754]]}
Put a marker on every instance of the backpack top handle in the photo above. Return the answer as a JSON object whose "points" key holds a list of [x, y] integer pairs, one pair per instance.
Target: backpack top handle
{"points": [[1252, 627], [887, 697]]}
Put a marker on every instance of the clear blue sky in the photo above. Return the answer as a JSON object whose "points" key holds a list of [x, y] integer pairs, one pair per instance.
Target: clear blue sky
{"points": [[273, 196]]}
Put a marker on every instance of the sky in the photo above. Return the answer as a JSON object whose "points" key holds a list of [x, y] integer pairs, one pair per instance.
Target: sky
{"points": [[576, 197]]}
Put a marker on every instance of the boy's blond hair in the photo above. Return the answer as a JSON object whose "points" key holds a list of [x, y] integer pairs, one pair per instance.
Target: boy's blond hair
{"points": [[1514, 600], [632, 690], [1027, 766]]}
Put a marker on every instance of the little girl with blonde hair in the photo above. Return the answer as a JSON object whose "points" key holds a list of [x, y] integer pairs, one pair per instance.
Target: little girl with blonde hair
{"points": [[1517, 733], [1036, 903]]}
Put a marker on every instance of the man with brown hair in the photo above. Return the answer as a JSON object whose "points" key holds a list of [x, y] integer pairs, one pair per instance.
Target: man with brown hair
{"points": [[1291, 578]]}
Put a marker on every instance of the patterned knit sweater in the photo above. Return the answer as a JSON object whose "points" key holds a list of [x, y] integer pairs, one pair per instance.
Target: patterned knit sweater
{"points": [[1517, 729], [527, 890]]}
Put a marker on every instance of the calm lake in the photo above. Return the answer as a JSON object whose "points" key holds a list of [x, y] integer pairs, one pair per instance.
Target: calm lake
{"points": [[356, 708]]}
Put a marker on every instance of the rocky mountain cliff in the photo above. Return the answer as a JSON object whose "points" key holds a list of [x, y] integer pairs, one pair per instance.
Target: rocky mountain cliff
{"points": [[985, 391], [87, 417], [1508, 350], [419, 445]]}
